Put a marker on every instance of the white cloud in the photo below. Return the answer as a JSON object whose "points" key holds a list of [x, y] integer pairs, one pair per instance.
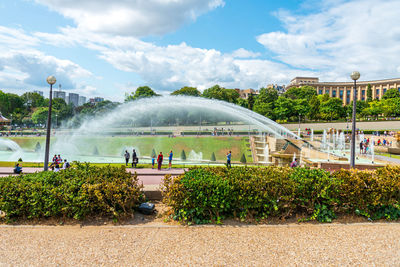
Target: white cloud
{"points": [[342, 37], [134, 18], [243, 53], [22, 65]]}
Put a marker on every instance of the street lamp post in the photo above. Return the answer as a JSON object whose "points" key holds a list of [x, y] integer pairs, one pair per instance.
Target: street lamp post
{"points": [[299, 131], [56, 120], [355, 75], [50, 80]]}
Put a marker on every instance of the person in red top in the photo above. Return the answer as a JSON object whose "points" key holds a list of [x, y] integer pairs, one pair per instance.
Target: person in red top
{"points": [[159, 160]]}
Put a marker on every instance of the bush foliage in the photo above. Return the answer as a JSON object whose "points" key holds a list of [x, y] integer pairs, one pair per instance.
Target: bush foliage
{"points": [[204, 195], [74, 193]]}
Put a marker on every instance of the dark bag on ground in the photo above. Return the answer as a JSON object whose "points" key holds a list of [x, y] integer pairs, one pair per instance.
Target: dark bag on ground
{"points": [[147, 208]]}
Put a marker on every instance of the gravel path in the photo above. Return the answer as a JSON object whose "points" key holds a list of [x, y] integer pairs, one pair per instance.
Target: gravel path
{"points": [[160, 245]]}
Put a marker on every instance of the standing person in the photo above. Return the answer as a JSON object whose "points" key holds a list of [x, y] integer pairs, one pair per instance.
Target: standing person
{"points": [[361, 147], [59, 159], [134, 158], [159, 161], [127, 156], [170, 159], [228, 159], [153, 161]]}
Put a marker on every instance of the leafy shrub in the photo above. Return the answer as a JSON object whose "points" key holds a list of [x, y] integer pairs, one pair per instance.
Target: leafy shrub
{"points": [[213, 158], [183, 155], [74, 193], [243, 159], [204, 195]]}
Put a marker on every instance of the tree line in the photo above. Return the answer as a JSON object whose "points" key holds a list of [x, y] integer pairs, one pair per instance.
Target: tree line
{"points": [[294, 104], [30, 109]]}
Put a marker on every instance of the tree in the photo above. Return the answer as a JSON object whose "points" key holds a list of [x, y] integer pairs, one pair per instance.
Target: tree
{"points": [[391, 93], [243, 159], [369, 93], [33, 99], [303, 92], [332, 109], [220, 93], [183, 155], [284, 108], [141, 92], [188, 91], [301, 107], [313, 112], [264, 103], [243, 103], [213, 158], [250, 101], [40, 115]]}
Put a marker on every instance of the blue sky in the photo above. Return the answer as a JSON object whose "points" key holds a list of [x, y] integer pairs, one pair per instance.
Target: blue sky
{"points": [[109, 48]]}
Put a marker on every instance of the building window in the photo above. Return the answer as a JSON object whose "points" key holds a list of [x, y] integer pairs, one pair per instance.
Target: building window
{"points": [[384, 90], [347, 100], [363, 93], [341, 93], [333, 93], [348, 93], [320, 92]]}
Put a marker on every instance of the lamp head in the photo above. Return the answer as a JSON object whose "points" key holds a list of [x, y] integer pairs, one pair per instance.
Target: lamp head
{"points": [[355, 75], [51, 80]]}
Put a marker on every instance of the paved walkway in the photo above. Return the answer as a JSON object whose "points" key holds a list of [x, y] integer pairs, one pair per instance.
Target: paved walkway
{"points": [[365, 125], [161, 245]]}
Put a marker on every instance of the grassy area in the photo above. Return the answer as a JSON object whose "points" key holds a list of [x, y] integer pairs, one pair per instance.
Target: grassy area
{"points": [[115, 146], [389, 155]]}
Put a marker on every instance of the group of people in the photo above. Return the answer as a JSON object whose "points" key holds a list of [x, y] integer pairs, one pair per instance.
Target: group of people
{"points": [[135, 159], [160, 159], [58, 163], [222, 131]]}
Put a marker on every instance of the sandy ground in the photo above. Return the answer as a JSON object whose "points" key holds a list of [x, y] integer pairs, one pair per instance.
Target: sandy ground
{"points": [[170, 245]]}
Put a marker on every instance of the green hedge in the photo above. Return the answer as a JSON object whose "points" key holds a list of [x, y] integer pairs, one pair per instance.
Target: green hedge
{"points": [[74, 193], [204, 195]]}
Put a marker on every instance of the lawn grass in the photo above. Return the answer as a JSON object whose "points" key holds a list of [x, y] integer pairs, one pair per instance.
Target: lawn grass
{"points": [[389, 155], [115, 146]]}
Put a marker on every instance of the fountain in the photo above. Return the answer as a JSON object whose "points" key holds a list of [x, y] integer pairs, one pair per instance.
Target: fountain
{"points": [[372, 150], [266, 152], [324, 140], [7, 144]]}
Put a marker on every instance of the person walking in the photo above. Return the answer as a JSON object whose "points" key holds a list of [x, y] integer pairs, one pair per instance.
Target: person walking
{"points": [[134, 159], [127, 156], [159, 161], [170, 159], [228, 159]]}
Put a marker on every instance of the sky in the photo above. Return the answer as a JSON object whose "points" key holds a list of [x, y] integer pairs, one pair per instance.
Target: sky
{"points": [[109, 48]]}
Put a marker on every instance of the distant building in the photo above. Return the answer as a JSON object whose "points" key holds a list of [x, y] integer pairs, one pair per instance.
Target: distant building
{"points": [[82, 100], [246, 92], [38, 92], [60, 94], [344, 90], [96, 100], [279, 88], [73, 99]]}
